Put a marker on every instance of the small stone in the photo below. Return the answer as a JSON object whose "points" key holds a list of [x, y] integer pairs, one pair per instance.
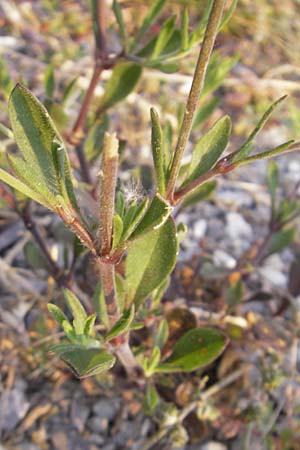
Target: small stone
{"points": [[13, 408], [237, 227], [275, 276], [106, 408], [199, 228], [221, 259], [98, 424], [213, 445]]}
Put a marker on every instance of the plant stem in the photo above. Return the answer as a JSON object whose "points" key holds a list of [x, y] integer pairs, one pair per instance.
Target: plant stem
{"points": [[109, 174], [100, 58], [195, 92]]}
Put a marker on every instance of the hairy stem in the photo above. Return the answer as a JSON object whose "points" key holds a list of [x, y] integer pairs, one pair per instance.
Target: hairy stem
{"points": [[109, 173], [196, 88]]}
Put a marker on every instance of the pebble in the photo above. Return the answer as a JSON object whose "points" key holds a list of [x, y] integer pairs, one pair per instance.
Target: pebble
{"points": [[106, 408], [199, 228], [273, 275], [221, 259], [213, 445], [237, 227], [98, 424], [14, 407]]}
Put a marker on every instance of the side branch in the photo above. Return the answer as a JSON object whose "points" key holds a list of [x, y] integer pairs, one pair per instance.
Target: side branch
{"points": [[195, 92]]}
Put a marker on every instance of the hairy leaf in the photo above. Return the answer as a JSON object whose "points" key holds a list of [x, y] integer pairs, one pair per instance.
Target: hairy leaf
{"points": [[209, 148], [150, 260]]}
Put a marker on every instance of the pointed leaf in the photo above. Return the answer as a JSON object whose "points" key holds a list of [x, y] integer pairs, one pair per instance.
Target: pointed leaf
{"points": [[158, 212], [49, 81], [198, 195], [162, 334], [150, 260], [119, 17], [185, 31], [197, 348], [122, 81], [57, 313], [280, 240], [136, 218], [122, 325], [98, 301], [209, 148], [117, 230], [89, 324], [77, 311], [153, 12], [164, 37], [85, 362], [272, 180], [23, 188], [246, 148], [34, 133], [157, 152]]}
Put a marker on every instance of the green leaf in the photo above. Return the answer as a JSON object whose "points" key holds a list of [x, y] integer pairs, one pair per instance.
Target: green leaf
{"points": [[119, 17], [217, 71], [209, 148], [153, 12], [152, 362], [122, 325], [89, 324], [44, 165], [98, 301], [49, 81], [267, 154], [164, 36], [23, 188], [156, 215], [93, 143], [205, 111], [197, 348], [34, 133], [157, 152], [122, 81], [34, 256], [117, 230], [244, 151], [162, 334], [280, 240], [57, 313], [120, 204], [150, 260], [151, 397], [85, 362], [135, 219], [198, 195], [185, 31], [272, 180], [77, 311]]}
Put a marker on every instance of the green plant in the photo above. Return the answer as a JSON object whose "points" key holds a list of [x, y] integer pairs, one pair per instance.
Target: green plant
{"points": [[141, 233]]}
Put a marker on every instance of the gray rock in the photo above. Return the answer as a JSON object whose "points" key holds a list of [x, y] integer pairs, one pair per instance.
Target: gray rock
{"points": [[199, 228], [14, 407], [106, 408], [222, 259], [237, 227], [98, 424]]}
